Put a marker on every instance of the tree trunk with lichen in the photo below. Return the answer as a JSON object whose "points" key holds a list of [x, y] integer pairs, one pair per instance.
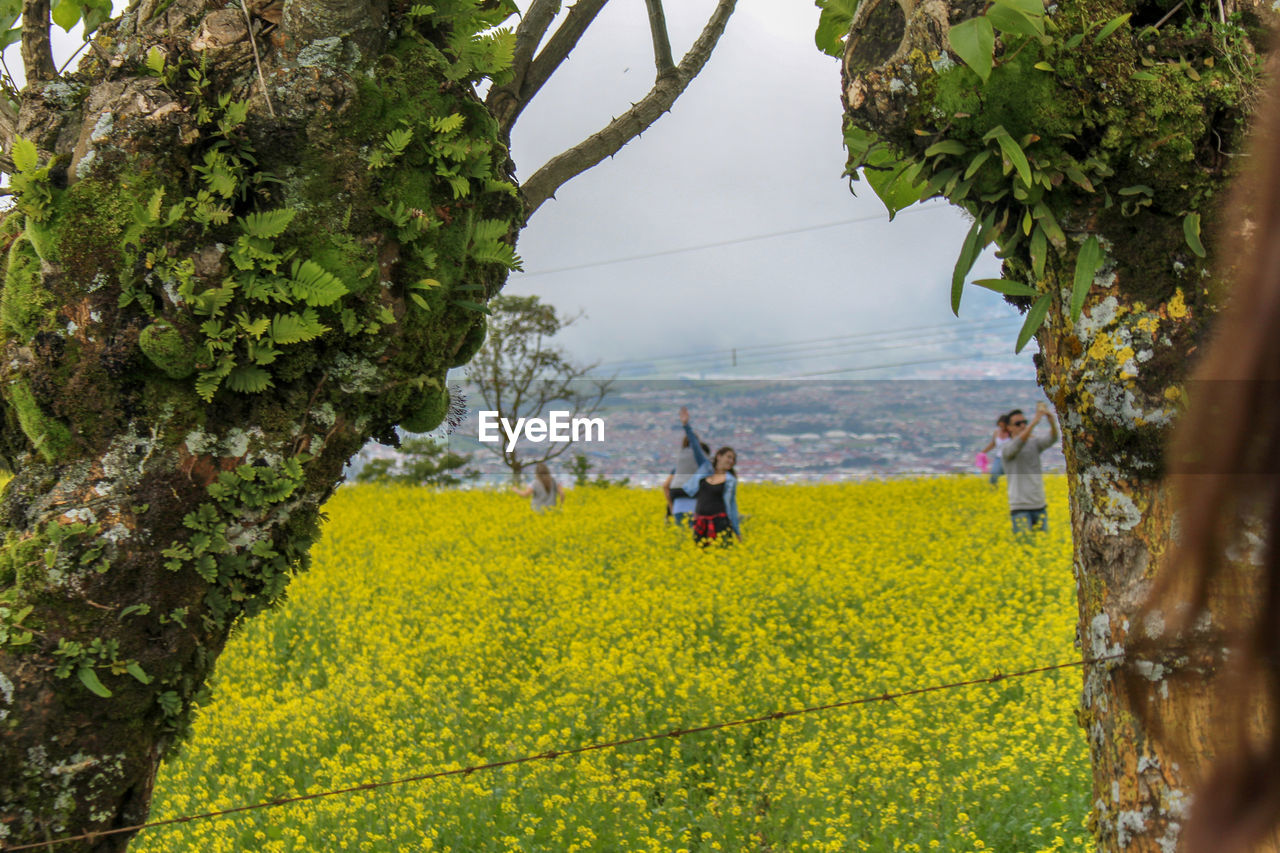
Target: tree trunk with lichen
{"points": [[221, 281], [1129, 137]]}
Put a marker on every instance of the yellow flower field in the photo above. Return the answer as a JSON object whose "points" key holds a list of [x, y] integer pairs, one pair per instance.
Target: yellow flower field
{"points": [[447, 629]]}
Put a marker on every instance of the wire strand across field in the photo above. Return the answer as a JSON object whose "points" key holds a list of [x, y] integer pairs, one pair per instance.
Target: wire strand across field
{"points": [[455, 629]]}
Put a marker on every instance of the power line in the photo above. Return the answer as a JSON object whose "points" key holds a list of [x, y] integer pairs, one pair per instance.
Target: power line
{"points": [[718, 244], [858, 348], [961, 327], [551, 755], [968, 357]]}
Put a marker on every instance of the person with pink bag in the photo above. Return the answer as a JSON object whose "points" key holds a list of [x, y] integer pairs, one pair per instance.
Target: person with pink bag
{"points": [[985, 463]]}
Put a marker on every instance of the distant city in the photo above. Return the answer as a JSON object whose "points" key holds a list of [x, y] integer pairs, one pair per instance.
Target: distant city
{"points": [[782, 431]]}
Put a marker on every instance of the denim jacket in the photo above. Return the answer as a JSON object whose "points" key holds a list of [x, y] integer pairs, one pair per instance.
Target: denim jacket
{"points": [[706, 469]]}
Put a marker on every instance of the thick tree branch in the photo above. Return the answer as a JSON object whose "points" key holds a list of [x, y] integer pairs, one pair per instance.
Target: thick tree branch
{"points": [[661, 41], [503, 101], [533, 26], [37, 53], [558, 47], [608, 141]]}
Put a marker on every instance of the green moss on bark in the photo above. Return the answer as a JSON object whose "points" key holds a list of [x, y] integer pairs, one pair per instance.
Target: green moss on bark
{"points": [[24, 305], [169, 349], [430, 414], [471, 343], [48, 435]]}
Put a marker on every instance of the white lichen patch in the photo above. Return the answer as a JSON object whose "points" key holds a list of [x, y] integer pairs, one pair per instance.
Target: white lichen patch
{"points": [[101, 131], [237, 443], [102, 127], [171, 292], [324, 415], [1154, 626], [1128, 824], [326, 52], [1176, 803], [1102, 497], [82, 514], [1097, 318], [124, 461], [1100, 636], [66, 93], [199, 442], [1150, 671], [355, 375]]}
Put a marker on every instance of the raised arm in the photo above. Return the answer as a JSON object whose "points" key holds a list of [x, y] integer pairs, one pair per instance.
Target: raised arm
{"points": [[694, 443], [1053, 430]]}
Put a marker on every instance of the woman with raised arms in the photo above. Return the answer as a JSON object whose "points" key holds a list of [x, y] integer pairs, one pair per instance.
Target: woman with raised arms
{"points": [[715, 488]]}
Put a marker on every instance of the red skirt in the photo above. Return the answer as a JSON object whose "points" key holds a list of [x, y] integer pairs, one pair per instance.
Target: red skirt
{"points": [[709, 528]]}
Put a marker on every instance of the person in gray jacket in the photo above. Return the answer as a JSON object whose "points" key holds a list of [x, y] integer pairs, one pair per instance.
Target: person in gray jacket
{"points": [[680, 506], [1021, 455]]}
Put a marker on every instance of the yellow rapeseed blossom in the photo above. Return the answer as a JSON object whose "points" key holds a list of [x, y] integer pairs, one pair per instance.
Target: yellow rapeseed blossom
{"points": [[443, 630]]}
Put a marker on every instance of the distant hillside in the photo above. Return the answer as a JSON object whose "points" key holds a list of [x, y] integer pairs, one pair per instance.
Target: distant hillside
{"points": [[787, 431]]}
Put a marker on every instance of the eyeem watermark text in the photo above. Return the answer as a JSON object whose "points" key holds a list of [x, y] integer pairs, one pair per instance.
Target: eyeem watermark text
{"points": [[560, 426]]}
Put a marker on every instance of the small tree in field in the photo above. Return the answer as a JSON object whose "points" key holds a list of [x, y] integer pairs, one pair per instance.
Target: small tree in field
{"points": [[424, 461], [518, 373], [580, 469]]}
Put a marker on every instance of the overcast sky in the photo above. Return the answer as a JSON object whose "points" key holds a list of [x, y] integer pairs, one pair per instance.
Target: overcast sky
{"points": [[752, 148]]}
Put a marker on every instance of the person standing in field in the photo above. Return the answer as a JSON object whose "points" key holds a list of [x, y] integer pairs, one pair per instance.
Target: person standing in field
{"points": [[1028, 508], [715, 489], [544, 491], [680, 506], [998, 440]]}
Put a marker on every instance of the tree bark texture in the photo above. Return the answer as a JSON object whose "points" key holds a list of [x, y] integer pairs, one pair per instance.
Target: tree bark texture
{"points": [[206, 310], [1160, 145]]}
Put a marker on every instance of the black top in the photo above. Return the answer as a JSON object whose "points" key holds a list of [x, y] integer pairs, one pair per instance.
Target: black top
{"points": [[710, 498]]}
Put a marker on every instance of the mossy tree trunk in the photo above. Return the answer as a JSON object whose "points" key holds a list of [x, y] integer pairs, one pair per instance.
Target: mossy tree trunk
{"points": [[1129, 138], [248, 238], [214, 295]]}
